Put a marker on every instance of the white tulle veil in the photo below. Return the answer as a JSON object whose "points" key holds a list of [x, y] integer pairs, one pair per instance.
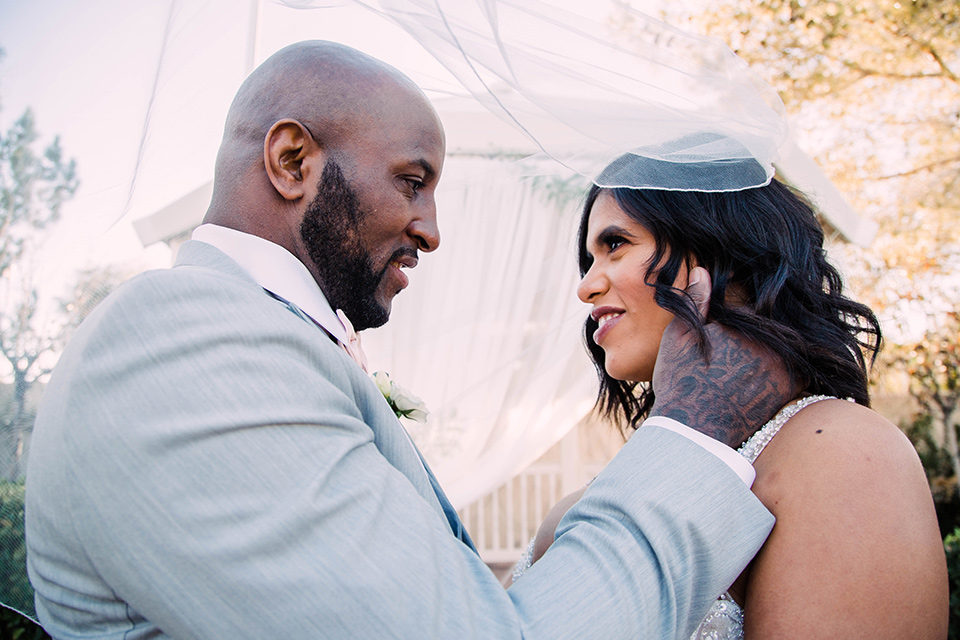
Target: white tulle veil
{"points": [[684, 104]]}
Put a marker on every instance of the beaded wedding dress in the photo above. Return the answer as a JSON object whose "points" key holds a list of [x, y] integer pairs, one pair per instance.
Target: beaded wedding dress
{"points": [[724, 621]]}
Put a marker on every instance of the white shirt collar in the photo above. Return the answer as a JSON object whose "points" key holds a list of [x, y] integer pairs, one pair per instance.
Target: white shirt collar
{"points": [[276, 270]]}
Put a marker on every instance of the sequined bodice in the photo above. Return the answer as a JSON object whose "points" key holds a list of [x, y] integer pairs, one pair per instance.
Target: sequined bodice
{"points": [[724, 621]]}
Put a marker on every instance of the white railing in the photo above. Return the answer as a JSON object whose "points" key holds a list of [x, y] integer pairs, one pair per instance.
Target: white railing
{"points": [[502, 522]]}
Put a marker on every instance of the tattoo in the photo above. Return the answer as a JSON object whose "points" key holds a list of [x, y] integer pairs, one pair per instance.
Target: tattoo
{"points": [[727, 397]]}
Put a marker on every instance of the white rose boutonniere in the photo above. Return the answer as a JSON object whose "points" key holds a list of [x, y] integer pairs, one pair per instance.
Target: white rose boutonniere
{"points": [[403, 403]]}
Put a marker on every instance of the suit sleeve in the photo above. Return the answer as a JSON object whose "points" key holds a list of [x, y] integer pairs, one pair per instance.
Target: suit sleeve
{"points": [[225, 485]]}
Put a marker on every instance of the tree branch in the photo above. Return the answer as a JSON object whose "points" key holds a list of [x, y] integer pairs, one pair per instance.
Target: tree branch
{"points": [[926, 46], [854, 66], [925, 167]]}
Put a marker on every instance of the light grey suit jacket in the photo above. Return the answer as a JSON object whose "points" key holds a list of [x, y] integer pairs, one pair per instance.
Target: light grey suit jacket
{"points": [[205, 464]]}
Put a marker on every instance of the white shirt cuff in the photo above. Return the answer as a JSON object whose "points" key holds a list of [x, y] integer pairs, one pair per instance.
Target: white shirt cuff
{"points": [[737, 463]]}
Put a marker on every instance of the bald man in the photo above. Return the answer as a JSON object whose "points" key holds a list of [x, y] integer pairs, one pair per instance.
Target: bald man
{"points": [[211, 461]]}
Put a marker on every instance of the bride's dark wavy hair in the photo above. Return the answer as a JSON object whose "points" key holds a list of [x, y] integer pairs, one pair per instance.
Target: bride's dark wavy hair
{"points": [[765, 246]]}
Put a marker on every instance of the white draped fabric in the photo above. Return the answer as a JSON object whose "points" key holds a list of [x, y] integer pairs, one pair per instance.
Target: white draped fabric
{"points": [[488, 333]]}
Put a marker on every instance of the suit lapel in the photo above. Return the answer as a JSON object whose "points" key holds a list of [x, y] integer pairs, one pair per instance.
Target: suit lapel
{"points": [[456, 525], [433, 493], [400, 451]]}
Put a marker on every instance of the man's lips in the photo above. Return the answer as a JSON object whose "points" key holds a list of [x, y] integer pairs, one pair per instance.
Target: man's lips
{"points": [[606, 318], [402, 260]]}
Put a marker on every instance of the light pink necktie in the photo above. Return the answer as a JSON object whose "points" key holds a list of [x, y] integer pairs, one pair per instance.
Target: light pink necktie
{"points": [[352, 344]]}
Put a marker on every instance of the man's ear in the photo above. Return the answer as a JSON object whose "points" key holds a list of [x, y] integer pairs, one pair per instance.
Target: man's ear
{"points": [[289, 152]]}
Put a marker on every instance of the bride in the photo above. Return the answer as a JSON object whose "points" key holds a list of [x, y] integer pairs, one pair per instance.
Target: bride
{"points": [[856, 550]]}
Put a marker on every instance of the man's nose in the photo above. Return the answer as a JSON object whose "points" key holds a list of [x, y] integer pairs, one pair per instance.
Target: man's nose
{"points": [[425, 230]]}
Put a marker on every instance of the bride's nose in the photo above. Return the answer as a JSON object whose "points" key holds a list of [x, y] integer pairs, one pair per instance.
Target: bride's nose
{"points": [[592, 284]]}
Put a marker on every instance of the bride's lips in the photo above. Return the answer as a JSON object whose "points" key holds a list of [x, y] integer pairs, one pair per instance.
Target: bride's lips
{"points": [[607, 318]]}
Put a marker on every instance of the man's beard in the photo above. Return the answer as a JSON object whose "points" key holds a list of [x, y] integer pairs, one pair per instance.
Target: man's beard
{"points": [[331, 235]]}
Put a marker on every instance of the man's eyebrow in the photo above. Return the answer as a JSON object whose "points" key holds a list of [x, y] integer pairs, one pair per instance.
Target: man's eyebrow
{"points": [[426, 166]]}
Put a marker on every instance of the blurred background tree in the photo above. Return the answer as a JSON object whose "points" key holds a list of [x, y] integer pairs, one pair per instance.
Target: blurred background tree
{"points": [[931, 367], [33, 186]]}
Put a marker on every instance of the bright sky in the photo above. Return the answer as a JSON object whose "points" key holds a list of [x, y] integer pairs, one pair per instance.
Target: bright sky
{"points": [[87, 71]]}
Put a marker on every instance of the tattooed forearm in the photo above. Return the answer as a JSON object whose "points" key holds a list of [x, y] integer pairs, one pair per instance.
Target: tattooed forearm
{"points": [[728, 397]]}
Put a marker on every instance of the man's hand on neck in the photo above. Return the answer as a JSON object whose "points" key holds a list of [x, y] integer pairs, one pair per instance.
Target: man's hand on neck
{"points": [[728, 396]]}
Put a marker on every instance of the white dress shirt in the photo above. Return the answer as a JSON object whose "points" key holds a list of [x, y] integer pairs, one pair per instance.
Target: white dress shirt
{"points": [[276, 270], [280, 272]]}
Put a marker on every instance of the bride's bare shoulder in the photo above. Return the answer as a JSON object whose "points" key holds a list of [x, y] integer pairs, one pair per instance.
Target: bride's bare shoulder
{"points": [[856, 539], [837, 436], [837, 456]]}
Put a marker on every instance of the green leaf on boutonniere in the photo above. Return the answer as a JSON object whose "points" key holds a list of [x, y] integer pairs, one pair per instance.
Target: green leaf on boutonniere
{"points": [[403, 403]]}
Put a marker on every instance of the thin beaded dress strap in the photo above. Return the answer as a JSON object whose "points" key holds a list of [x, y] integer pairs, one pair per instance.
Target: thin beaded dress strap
{"points": [[752, 448]]}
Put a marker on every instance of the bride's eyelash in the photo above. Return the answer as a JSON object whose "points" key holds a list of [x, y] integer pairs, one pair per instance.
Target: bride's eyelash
{"points": [[611, 241]]}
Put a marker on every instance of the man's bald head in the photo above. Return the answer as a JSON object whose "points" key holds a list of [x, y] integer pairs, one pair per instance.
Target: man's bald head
{"points": [[334, 90]]}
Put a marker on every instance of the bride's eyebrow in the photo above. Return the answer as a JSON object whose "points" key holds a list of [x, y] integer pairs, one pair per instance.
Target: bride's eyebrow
{"points": [[610, 232]]}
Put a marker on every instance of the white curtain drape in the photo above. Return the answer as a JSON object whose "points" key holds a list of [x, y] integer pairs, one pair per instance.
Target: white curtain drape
{"points": [[488, 333]]}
